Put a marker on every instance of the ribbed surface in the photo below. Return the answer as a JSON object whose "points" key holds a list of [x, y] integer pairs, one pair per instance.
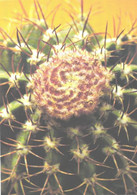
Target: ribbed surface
{"points": [[71, 83]]}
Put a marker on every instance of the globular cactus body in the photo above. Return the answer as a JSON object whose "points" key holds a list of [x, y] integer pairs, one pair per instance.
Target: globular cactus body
{"points": [[68, 114]]}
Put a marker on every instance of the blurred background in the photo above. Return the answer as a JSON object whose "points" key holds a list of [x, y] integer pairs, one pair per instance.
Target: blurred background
{"points": [[120, 14]]}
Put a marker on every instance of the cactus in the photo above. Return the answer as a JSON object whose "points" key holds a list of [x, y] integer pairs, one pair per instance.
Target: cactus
{"points": [[68, 110]]}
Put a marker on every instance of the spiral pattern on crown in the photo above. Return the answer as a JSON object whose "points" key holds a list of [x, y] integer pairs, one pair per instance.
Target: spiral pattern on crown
{"points": [[70, 84]]}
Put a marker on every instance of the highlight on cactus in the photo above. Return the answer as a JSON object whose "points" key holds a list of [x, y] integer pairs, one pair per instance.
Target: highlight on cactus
{"points": [[68, 108]]}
